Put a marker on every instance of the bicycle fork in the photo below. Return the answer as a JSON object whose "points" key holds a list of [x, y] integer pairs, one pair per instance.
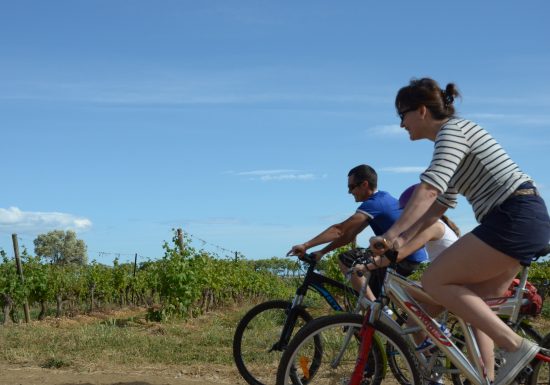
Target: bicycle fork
{"points": [[366, 334], [288, 327]]}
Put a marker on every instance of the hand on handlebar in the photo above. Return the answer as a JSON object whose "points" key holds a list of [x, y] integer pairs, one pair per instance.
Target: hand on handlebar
{"points": [[379, 245], [297, 250], [300, 252], [318, 255]]}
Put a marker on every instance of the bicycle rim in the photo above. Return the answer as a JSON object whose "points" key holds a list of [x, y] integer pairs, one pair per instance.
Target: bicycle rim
{"points": [[257, 333], [524, 329], [541, 369], [339, 354]]}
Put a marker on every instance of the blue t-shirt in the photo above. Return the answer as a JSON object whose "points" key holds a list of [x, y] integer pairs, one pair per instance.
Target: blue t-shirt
{"points": [[383, 210]]}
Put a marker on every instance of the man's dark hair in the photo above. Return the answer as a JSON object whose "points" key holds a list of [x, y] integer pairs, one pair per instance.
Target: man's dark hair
{"points": [[365, 172]]}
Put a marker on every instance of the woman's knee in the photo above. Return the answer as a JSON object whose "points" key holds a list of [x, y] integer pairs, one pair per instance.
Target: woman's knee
{"points": [[429, 282]]}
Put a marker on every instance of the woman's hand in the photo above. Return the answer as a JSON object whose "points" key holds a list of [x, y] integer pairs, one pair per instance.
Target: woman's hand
{"points": [[379, 245]]}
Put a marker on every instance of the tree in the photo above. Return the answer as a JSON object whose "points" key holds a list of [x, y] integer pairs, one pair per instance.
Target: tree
{"points": [[63, 248]]}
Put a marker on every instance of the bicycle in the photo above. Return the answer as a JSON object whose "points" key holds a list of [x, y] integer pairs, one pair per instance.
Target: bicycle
{"points": [[254, 351], [341, 362]]}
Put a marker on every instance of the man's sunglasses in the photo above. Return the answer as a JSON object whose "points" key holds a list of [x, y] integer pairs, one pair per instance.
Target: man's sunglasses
{"points": [[352, 187]]}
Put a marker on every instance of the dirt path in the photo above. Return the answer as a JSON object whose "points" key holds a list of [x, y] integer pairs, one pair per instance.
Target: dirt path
{"points": [[12, 375]]}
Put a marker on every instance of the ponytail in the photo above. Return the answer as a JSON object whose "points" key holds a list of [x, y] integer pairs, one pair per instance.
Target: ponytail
{"points": [[451, 225]]}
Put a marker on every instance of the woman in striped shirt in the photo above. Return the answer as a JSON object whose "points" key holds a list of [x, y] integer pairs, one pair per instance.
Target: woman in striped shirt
{"points": [[514, 222]]}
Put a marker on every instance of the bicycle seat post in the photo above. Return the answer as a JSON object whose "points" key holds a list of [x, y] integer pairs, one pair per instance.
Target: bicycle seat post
{"points": [[520, 289]]}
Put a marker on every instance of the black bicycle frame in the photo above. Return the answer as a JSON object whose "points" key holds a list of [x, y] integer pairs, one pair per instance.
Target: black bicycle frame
{"points": [[317, 282]]}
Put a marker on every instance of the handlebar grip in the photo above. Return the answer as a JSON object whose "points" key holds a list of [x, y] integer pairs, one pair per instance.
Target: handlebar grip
{"points": [[391, 255], [308, 258], [379, 245]]}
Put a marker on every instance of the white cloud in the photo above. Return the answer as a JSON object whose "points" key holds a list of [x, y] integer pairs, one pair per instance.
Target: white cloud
{"points": [[387, 130], [278, 175], [404, 169], [192, 88], [531, 120], [523, 100], [14, 220], [288, 177], [265, 172]]}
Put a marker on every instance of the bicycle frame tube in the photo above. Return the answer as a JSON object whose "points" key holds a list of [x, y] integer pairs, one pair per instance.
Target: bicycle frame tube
{"points": [[366, 334], [316, 281], [403, 292], [396, 288], [511, 306]]}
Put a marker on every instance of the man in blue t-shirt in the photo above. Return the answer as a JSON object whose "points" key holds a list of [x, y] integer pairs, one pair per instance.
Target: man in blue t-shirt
{"points": [[379, 210]]}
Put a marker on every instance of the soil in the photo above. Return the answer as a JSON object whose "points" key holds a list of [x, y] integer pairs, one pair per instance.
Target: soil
{"points": [[205, 375]]}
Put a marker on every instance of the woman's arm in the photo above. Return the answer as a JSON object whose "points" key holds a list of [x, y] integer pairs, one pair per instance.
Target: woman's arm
{"points": [[421, 201], [432, 233], [427, 220]]}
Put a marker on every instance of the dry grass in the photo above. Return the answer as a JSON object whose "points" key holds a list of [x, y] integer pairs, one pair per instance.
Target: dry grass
{"points": [[119, 339], [125, 340]]}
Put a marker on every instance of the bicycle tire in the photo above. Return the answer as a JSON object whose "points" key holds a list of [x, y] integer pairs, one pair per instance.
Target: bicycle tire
{"points": [[524, 329], [253, 355], [541, 369], [331, 331], [529, 331]]}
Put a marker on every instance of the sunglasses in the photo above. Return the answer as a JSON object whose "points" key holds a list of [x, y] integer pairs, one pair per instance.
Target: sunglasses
{"points": [[352, 187], [402, 114]]}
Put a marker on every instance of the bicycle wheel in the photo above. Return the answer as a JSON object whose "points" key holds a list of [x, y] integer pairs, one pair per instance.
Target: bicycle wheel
{"points": [[524, 329], [255, 349], [541, 369], [338, 337]]}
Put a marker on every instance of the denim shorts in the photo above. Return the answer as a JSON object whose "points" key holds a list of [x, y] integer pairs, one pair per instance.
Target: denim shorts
{"points": [[519, 227]]}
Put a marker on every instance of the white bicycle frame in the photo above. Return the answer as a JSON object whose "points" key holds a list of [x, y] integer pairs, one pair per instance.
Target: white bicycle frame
{"points": [[401, 291]]}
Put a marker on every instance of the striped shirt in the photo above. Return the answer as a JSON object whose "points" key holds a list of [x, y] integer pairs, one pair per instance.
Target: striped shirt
{"points": [[468, 161]]}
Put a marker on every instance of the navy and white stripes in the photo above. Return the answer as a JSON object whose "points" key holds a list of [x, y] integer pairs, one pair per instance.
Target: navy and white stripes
{"points": [[468, 161]]}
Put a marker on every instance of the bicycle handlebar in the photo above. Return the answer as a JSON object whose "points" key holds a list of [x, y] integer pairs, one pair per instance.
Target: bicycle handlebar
{"points": [[308, 258]]}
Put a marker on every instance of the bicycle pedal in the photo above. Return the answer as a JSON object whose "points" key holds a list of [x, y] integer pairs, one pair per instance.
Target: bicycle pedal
{"points": [[526, 372], [523, 376]]}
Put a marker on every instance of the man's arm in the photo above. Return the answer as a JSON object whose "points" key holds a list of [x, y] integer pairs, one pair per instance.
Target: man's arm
{"points": [[338, 235]]}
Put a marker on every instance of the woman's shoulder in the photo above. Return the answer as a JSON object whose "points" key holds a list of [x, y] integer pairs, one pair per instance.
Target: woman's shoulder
{"points": [[459, 127], [462, 124], [456, 122]]}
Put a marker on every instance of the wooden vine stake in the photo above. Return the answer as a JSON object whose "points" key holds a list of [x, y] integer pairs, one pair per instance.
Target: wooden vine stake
{"points": [[20, 273], [180, 239]]}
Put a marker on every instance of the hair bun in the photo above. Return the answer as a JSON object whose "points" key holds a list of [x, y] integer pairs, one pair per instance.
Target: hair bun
{"points": [[448, 98]]}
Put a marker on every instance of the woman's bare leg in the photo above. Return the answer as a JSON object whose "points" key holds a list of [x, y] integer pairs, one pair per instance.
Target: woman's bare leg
{"points": [[496, 288], [470, 264]]}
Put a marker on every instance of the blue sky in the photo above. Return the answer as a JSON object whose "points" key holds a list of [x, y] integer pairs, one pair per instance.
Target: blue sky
{"points": [[239, 120]]}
